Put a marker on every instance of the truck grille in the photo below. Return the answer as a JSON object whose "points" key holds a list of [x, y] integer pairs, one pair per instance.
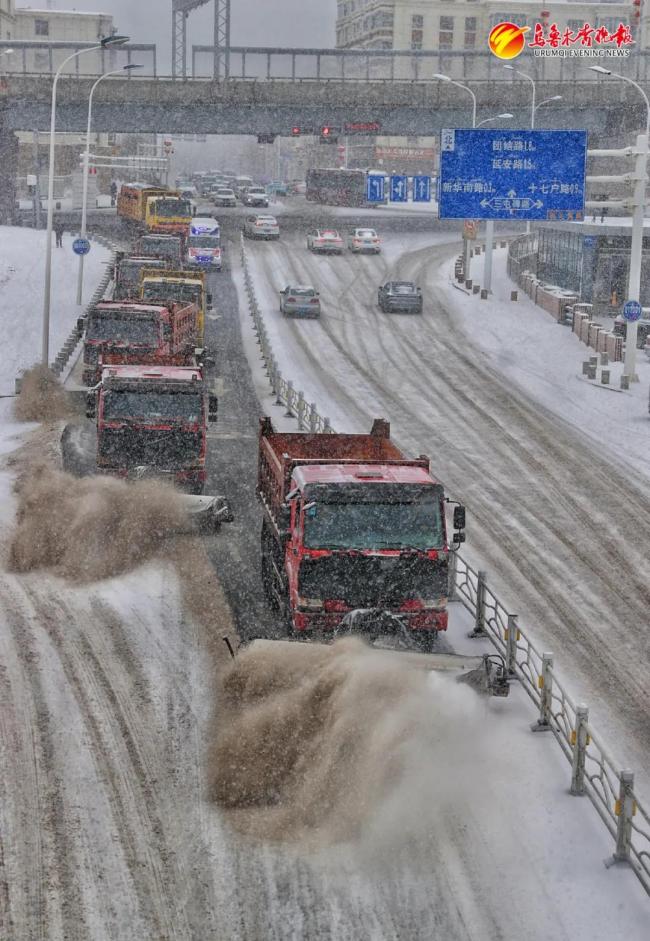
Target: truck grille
{"points": [[164, 449], [373, 581]]}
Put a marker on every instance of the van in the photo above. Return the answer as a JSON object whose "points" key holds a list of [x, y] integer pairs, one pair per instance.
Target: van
{"points": [[204, 243]]}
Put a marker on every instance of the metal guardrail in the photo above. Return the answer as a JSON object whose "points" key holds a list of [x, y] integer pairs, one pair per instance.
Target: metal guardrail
{"points": [[67, 350], [285, 393], [594, 772]]}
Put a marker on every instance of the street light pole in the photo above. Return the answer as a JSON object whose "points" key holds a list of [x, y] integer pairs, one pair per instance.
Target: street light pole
{"points": [[446, 78], [86, 163], [636, 247], [109, 41]]}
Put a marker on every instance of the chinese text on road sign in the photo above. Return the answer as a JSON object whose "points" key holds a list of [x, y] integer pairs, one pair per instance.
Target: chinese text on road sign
{"points": [[504, 174], [632, 311]]}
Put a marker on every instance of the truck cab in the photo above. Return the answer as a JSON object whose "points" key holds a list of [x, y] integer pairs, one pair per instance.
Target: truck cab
{"points": [[170, 214], [153, 419], [352, 525]]}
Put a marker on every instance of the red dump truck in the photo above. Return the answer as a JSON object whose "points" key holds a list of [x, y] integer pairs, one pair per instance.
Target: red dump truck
{"points": [[120, 333], [152, 420], [353, 532]]}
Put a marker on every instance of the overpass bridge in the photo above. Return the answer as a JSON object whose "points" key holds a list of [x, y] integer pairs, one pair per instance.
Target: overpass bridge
{"points": [[250, 106]]}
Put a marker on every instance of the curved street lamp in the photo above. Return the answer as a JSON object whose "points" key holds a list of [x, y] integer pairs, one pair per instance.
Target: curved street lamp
{"points": [[446, 78], [84, 198], [497, 117], [109, 41], [636, 244]]}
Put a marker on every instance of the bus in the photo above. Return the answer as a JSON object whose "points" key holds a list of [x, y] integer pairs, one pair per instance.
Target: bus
{"points": [[337, 187]]}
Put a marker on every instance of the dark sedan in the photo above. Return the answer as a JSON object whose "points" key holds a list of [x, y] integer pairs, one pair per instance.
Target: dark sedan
{"points": [[400, 295]]}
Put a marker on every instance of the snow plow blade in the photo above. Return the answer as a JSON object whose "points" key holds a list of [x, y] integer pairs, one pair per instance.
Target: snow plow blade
{"points": [[486, 674], [205, 514]]}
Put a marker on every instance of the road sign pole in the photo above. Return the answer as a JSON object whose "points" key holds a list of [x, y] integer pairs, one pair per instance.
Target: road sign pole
{"points": [[487, 266], [636, 252], [466, 258]]}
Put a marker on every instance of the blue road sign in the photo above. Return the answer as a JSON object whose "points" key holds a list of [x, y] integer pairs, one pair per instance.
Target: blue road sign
{"points": [[504, 174], [399, 189], [375, 188], [632, 311], [421, 189], [81, 246]]}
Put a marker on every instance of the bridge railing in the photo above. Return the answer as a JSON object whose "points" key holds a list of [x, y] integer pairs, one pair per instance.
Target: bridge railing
{"points": [[43, 58], [594, 773], [295, 64]]}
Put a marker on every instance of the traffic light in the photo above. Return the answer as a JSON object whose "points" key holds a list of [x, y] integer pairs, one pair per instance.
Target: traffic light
{"points": [[295, 132], [265, 138], [328, 134]]}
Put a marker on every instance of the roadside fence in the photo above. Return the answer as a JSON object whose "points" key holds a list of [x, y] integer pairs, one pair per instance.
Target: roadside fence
{"points": [[285, 393], [76, 334], [594, 773]]}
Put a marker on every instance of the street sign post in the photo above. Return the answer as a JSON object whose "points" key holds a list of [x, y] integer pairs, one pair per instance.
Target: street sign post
{"points": [[632, 311], [375, 188], [399, 190], [421, 189], [81, 246], [505, 174]]}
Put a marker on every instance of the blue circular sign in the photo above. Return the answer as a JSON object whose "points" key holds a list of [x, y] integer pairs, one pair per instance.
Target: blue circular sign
{"points": [[81, 246], [632, 311]]}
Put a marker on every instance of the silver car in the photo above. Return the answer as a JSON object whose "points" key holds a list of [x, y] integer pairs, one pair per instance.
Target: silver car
{"points": [[261, 226], [224, 197], [300, 300], [364, 240]]}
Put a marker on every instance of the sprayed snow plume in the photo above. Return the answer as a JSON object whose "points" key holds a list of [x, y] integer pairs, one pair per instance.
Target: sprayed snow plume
{"points": [[91, 528], [42, 397], [314, 740]]}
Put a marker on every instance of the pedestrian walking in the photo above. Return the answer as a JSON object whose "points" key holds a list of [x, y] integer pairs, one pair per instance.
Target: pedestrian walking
{"points": [[59, 229]]}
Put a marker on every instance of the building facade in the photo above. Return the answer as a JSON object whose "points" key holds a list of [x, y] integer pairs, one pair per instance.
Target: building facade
{"points": [[463, 25], [50, 25]]}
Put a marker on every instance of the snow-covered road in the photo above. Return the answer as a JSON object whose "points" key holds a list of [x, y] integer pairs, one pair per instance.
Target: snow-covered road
{"points": [[562, 528], [108, 710]]}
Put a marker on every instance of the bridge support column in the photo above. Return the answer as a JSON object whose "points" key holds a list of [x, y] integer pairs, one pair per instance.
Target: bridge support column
{"points": [[8, 171]]}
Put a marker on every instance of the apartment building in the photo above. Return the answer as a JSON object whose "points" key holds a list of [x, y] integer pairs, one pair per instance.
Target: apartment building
{"points": [[50, 25], [7, 19]]}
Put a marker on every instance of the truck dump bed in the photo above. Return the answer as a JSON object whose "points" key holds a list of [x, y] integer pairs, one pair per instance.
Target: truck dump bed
{"points": [[280, 452]]}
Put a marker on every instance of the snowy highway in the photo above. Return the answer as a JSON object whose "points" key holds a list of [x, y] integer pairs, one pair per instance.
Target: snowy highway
{"points": [[561, 526], [109, 712]]}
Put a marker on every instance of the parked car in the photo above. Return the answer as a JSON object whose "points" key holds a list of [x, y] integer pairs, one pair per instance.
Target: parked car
{"points": [[300, 299], [400, 295], [255, 196], [224, 197], [261, 227], [325, 240], [364, 240]]}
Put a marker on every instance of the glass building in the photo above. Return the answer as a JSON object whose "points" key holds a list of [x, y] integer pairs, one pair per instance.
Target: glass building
{"points": [[593, 260]]}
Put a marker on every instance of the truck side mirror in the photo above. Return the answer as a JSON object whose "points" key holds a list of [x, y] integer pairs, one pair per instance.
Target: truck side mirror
{"points": [[213, 403], [459, 518], [90, 405]]}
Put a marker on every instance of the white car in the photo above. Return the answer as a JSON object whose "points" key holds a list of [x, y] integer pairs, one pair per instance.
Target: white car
{"points": [[364, 240], [261, 227], [224, 197], [255, 196], [325, 240]]}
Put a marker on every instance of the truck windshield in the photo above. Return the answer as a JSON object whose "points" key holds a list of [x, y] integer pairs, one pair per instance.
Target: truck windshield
{"points": [[172, 207], [183, 291], [376, 522], [161, 247], [152, 405], [123, 329], [204, 241]]}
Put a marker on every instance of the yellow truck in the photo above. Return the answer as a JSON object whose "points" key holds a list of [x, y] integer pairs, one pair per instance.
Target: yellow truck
{"points": [[154, 209], [168, 286]]}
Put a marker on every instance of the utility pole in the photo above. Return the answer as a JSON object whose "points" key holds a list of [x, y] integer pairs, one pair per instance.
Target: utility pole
{"points": [[37, 188]]}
